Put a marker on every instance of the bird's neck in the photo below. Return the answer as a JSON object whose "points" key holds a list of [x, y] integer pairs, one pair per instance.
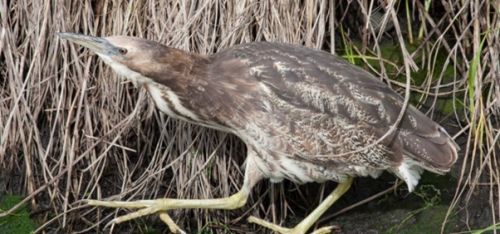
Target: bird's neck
{"points": [[175, 69], [202, 90], [180, 86]]}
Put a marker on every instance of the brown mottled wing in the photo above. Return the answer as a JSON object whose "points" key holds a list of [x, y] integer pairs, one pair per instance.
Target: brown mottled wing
{"points": [[323, 83]]}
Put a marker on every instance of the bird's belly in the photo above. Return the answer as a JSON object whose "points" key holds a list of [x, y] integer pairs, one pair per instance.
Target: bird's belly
{"points": [[279, 168], [169, 103], [278, 164]]}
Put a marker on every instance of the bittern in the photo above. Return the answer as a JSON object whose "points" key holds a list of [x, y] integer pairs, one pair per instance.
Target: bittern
{"points": [[305, 115]]}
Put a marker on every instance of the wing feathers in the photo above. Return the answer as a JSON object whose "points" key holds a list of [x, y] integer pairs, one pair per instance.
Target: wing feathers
{"points": [[326, 85]]}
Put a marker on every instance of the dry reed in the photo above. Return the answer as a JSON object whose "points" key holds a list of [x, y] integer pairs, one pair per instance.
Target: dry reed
{"points": [[70, 129]]}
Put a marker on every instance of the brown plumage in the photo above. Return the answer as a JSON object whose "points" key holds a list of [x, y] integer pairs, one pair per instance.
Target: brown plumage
{"points": [[300, 111]]}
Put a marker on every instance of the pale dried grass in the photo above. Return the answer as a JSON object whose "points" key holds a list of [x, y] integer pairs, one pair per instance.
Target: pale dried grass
{"points": [[71, 130]]}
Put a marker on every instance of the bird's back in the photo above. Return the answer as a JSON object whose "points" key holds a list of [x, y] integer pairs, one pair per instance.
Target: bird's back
{"points": [[315, 107]]}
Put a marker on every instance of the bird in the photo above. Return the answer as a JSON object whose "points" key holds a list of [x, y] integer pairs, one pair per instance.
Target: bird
{"points": [[304, 114]]}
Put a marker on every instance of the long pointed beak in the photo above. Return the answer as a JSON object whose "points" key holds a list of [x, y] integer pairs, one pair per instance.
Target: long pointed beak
{"points": [[97, 44]]}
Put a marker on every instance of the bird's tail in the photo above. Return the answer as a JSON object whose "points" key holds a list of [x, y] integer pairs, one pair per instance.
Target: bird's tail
{"points": [[436, 152]]}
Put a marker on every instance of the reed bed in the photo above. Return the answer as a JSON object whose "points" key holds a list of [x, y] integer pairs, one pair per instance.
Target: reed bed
{"points": [[71, 129]]}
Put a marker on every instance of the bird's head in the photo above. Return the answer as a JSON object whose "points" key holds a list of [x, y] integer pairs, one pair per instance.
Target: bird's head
{"points": [[137, 59]]}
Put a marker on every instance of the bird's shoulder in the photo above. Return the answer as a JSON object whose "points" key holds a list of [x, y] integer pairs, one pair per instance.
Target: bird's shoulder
{"points": [[312, 79], [279, 63]]}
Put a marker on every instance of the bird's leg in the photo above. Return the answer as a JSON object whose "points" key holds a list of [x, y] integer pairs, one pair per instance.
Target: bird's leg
{"points": [[148, 207], [161, 206], [307, 223]]}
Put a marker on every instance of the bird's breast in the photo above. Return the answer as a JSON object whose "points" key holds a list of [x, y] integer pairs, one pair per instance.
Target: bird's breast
{"points": [[168, 102]]}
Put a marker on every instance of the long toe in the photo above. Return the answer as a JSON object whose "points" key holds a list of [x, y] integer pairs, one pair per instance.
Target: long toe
{"points": [[161, 206], [174, 228], [299, 229], [145, 207], [327, 229], [269, 225]]}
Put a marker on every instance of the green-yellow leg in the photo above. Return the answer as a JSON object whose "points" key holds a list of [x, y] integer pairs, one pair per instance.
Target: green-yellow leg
{"points": [[307, 223], [148, 207], [161, 206]]}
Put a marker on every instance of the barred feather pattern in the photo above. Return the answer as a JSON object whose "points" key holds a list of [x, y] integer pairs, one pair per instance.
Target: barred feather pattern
{"points": [[314, 108], [305, 112]]}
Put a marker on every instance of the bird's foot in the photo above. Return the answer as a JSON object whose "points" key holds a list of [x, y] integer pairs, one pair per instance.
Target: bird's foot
{"points": [[146, 207], [172, 226], [161, 206], [299, 229]]}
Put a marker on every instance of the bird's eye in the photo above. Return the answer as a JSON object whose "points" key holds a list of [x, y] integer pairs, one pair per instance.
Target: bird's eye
{"points": [[122, 51]]}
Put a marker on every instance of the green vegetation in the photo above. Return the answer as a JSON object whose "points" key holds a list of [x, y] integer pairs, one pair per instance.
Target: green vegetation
{"points": [[427, 221], [429, 217], [391, 58], [20, 221], [488, 229]]}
